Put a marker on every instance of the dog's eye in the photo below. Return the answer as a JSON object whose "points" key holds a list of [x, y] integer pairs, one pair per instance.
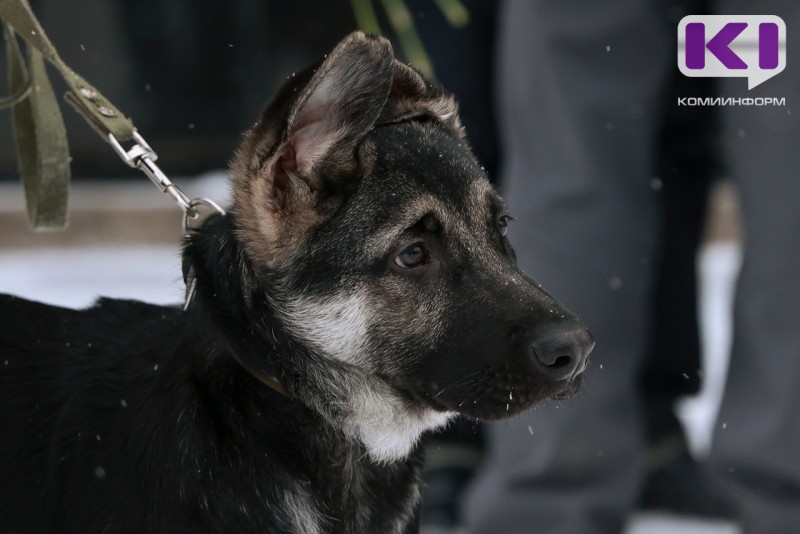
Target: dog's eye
{"points": [[502, 224], [413, 256]]}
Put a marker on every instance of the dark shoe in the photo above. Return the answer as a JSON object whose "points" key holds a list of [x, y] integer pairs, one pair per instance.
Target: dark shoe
{"points": [[676, 484]]}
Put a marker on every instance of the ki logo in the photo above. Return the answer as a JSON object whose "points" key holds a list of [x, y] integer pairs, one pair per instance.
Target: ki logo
{"points": [[746, 46]]}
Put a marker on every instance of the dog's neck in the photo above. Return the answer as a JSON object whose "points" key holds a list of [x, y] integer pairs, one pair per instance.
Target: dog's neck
{"points": [[364, 408]]}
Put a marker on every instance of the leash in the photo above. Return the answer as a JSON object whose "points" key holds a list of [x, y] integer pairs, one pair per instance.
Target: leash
{"points": [[41, 140], [42, 149], [40, 136]]}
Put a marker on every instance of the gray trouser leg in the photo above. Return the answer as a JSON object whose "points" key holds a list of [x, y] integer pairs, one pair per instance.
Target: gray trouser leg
{"points": [[756, 451], [580, 87]]}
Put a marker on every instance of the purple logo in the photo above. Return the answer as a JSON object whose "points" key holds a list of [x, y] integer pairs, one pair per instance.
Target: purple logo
{"points": [[748, 46]]}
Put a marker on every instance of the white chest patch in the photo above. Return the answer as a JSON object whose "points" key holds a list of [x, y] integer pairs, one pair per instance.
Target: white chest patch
{"points": [[386, 426]]}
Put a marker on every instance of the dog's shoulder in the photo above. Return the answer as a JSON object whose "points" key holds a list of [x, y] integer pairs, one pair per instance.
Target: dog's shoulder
{"points": [[20, 317]]}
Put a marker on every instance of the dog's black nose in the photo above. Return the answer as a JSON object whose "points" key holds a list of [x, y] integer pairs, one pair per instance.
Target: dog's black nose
{"points": [[563, 354]]}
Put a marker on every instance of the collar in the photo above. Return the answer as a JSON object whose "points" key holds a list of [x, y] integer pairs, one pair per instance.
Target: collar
{"points": [[190, 227], [268, 379]]}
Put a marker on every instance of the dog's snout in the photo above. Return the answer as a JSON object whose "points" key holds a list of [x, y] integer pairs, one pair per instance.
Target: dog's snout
{"points": [[563, 354]]}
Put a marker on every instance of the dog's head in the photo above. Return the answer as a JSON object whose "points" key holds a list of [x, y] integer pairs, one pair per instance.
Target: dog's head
{"points": [[383, 245]]}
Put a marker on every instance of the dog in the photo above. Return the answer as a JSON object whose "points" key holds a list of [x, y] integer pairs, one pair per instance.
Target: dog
{"points": [[360, 292]]}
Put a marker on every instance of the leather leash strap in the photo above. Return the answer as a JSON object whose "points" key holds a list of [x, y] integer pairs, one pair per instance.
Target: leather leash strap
{"points": [[39, 133]]}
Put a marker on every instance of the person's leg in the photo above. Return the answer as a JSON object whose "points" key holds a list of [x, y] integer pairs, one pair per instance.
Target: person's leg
{"points": [[756, 450], [672, 370], [580, 87]]}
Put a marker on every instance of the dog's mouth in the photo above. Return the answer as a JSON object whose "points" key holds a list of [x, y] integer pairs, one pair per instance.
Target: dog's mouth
{"points": [[495, 395], [570, 389]]}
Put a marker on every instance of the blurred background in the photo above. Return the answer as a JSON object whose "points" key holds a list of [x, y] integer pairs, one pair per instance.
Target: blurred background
{"points": [[193, 75]]}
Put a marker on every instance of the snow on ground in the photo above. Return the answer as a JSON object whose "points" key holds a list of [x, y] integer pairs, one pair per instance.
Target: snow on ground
{"points": [[75, 277], [670, 524]]}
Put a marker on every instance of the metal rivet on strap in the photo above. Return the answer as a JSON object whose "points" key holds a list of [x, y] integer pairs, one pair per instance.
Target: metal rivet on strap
{"points": [[88, 93], [107, 112]]}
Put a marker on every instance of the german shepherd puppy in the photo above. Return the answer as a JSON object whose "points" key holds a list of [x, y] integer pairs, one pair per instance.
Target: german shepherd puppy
{"points": [[360, 292]]}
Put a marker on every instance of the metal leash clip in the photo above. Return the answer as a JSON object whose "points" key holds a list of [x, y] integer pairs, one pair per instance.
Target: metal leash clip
{"points": [[195, 211], [141, 156]]}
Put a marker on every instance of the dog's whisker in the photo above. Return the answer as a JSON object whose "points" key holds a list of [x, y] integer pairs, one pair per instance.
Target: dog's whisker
{"points": [[467, 380], [475, 396]]}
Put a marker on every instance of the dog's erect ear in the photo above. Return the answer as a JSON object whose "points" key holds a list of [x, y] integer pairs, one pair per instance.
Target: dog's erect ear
{"points": [[342, 101], [306, 139], [334, 111], [412, 96]]}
